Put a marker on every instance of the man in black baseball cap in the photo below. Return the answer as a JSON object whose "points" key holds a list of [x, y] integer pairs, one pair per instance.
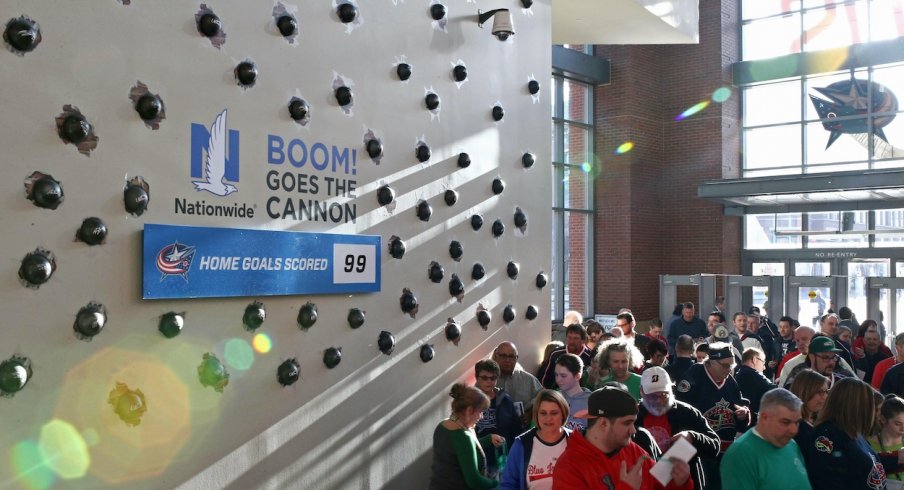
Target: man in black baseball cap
{"points": [[606, 454]]}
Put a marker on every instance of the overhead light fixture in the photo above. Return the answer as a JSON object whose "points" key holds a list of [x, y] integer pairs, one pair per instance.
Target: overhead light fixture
{"points": [[502, 22]]}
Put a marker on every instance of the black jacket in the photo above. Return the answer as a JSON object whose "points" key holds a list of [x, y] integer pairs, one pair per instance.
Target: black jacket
{"points": [[753, 386], [685, 417], [678, 366], [894, 381]]}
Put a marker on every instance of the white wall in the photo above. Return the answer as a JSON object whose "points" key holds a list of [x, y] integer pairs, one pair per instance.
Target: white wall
{"points": [[365, 424]]}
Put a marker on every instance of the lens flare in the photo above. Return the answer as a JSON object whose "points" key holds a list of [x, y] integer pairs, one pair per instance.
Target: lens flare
{"points": [[262, 343], [64, 450], [624, 148], [239, 354], [692, 110], [586, 167], [721, 94], [29, 466]]}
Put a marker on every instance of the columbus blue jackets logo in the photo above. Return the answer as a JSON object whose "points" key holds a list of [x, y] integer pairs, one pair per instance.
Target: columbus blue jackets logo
{"points": [[824, 444], [175, 260], [217, 172], [720, 416], [846, 100]]}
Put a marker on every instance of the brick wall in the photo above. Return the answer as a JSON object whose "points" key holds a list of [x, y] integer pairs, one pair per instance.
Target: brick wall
{"points": [[649, 220]]}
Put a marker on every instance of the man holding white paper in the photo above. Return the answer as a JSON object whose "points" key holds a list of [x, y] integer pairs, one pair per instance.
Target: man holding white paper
{"points": [[670, 420], [767, 457], [604, 457]]}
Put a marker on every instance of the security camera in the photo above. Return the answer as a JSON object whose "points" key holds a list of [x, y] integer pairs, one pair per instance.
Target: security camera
{"points": [[502, 22]]}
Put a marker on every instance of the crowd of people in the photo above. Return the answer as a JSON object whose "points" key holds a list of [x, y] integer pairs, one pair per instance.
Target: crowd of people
{"points": [[763, 406]]}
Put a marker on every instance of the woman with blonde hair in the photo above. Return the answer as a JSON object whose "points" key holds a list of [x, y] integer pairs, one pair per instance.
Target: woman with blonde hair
{"points": [[813, 389], [839, 458], [535, 452], [458, 460]]}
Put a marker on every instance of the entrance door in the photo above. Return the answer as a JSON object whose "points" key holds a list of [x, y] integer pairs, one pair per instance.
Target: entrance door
{"points": [[858, 270], [761, 293], [814, 292]]}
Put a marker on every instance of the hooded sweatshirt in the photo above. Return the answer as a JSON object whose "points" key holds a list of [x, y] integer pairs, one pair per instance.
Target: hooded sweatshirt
{"points": [[584, 466]]}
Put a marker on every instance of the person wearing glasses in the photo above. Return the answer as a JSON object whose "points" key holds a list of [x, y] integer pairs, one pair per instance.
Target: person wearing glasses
{"points": [[751, 379], [669, 419], [499, 417], [521, 385], [710, 388], [824, 359]]}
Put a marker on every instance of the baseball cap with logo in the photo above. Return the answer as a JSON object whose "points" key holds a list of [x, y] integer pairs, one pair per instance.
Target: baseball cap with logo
{"points": [[822, 344], [612, 400], [720, 333], [655, 380]]}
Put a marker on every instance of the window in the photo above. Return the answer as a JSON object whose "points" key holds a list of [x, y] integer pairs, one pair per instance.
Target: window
{"points": [[572, 201], [826, 122], [826, 229]]}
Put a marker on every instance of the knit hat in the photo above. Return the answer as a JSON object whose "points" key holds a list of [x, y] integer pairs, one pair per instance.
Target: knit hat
{"points": [[612, 400], [719, 351]]}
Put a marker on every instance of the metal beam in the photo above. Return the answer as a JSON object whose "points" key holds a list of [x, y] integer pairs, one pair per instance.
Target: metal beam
{"points": [[813, 62], [580, 66], [813, 207], [806, 183]]}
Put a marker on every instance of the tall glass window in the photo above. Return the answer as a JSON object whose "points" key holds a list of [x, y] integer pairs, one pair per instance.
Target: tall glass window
{"points": [[829, 122], [572, 200]]}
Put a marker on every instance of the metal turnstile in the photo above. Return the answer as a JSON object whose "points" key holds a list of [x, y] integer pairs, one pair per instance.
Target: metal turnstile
{"points": [[837, 295], [895, 287], [668, 293], [738, 293]]}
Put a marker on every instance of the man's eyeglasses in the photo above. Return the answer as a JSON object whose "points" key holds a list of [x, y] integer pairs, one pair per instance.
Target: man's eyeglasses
{"points": [[727, 366], [827, 357], [506, 356], [487, 378]]}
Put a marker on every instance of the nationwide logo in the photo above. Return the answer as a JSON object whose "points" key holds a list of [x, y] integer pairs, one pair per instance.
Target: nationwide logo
{"points": [[175, 260], [218, 167], [214, 169]]}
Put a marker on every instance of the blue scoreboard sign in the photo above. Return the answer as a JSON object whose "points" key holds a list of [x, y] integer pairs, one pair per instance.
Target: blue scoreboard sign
{"points": [[196, 262]]}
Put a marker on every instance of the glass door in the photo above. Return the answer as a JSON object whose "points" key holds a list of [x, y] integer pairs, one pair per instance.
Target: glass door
{"points": [[813, 296], [761, 293], [858, 271]]}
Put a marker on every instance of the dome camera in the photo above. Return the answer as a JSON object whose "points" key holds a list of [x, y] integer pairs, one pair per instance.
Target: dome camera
{"points": [[502, 22]]}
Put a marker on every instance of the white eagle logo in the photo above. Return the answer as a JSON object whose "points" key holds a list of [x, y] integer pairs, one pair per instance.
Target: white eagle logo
{"points": [[215, 164]]}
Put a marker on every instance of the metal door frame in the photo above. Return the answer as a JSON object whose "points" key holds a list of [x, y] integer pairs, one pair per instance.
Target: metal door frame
{"points": [[874, 285], [837, 285], [736, 289], [668, 292]]}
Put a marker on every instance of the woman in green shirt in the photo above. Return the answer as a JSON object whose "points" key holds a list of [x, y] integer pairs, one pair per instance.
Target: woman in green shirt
{"points": [[458, 460], [890, 438]]}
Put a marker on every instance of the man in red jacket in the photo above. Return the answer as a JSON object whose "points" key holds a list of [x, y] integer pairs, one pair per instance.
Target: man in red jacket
{"points": [[604, 457]]}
